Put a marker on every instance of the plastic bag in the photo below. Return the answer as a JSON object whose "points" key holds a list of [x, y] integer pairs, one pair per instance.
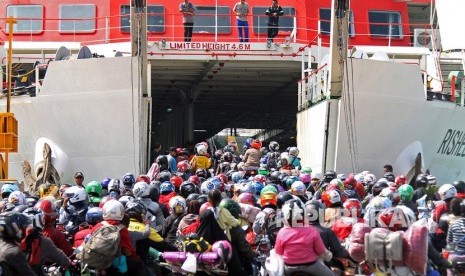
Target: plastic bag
{"points": [[274, 264], [416, 247]]}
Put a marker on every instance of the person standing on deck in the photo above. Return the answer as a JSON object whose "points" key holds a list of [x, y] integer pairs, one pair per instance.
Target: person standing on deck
{"points": [[188, 11], [242, 10], [273, 13]]}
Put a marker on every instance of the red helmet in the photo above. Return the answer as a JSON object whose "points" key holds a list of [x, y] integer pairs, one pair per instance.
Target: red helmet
{"points": [[331, 198], [176, 181], [48, 207], [183, 166], [194, 179], [401, 180], [353, 205], [223, 178], [143, 178], [260, 178], [256, 144], [350, 183], [246, 198]]}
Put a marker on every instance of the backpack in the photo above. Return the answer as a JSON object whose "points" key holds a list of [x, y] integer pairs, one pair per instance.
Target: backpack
{"points": [[272, 226], [102, 247], [383, 247], [196, 244]]}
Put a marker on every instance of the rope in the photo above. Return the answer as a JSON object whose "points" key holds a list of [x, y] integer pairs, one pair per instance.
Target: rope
{"points": [[25, 74]]}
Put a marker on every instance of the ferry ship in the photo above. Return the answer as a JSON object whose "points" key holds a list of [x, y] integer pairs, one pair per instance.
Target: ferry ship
{"points": [[106, 96]]}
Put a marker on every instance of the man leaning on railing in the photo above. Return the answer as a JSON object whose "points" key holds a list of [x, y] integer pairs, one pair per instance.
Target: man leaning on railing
{"points": [[273, 13]]}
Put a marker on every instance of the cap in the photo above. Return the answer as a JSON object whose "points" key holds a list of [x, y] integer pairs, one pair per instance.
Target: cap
{"points": [[78, 174]]}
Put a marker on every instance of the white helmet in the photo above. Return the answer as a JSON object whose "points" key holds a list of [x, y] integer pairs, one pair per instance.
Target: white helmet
{"points": [[113, 210], [447, 191], [76, 194], [369, 178], [285, 156], [294, 213], [432, 179], [116, 185], [298, 188], [17, 198], [294, 151], [177, 205], [141, 189], [202, 149]]}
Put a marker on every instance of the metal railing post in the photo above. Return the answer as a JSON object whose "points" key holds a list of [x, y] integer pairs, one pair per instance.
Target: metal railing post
{"points": [[107, 31]]}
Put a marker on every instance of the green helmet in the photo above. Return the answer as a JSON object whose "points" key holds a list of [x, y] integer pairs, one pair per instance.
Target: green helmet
{"points": [[306, 170], [269, 188], [406, 192], [94, 189], [232, 206], [263, 171]]}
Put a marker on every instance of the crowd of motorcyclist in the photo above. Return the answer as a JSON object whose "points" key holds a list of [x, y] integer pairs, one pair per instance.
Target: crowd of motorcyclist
{"points": [[255, 199]]}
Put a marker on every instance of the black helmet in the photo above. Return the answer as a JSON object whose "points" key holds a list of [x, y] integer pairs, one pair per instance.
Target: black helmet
{"points": [[187, 188], [329, 175], [378, 187], [202, 199], [421, 181], [154, 192], [227, 157], [459, 186], [191, 197], [164, 176], [129, 180], [313, 208], [232, 206], [273, 146], [282, 178], [13, 225], [282, 198], [274, 177], [136, 208], [390, 177], [162, 161], [201, 173]]}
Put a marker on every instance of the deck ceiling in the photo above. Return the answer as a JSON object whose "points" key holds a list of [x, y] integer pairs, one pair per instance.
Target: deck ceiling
{"points": [[230, 94]]}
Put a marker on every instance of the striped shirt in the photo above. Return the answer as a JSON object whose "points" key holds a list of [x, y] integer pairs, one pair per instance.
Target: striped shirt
{"points": [[456, 234]]}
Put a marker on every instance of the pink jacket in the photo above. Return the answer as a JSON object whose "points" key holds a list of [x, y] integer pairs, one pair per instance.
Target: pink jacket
{"points": [[299, 245]]}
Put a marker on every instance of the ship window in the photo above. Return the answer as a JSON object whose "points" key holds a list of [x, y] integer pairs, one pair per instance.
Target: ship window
{"points": [[260, 20], [385, 24], [325, 22], [155, 19], [204, 20], [34, 15], [77, 18]]}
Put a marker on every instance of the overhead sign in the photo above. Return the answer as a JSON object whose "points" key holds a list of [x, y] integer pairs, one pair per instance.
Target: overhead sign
{"points": [[215, 46]]}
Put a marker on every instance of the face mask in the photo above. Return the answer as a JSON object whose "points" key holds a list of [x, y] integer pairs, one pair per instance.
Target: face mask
{"points": [[178, 210]]}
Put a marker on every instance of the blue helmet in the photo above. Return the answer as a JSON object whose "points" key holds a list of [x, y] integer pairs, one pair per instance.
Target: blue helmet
{"points": [[8, 188], [236, 177], [94, 215], [129, 180], [291, 179], [257, 186], [248, 142], [105, 183], [166, 187]]}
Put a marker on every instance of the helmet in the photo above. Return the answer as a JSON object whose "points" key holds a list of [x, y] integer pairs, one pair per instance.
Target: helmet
{"points": [[191, 197], [342, 177], [379, 186], [337, 184], [294, 213], [136, 207], [187, 188], [36, 216], [269, 188], [232, 206], [263, 171], [94, 189], [31, 201], [202, 199], [294, 151], [313, 208], [17, 198], [274, 177], [162, 161], [306, 170], [400, 180], [105, 183], [273, 146], [369, 179], [94, 215], [350, 183], [285, 159], [176, 181], [329, 175], [260, 178], [389, 176], [406, 192], [8, 188], [125, 199], [236, 176], [291, 179], [447, 191], [332, 198], [393, 218], [113, 210], [223, 178], [298, 188], [177, 205], [379, 203], [183, 166], [263, 151], [256, 144], [421, 181], [76, 195], [143, 178], [432, 180], [164, 176], [166, 188], [305, 178], [141, 189], [201, 149], [201, 173], [268, 198], [282, 198], [194, 179], [228, 157], [246, 198], [154, 193], [257, 186], [48, 206], [129, 180], [13, 225], [223, 249], [115, 185], [353, 205], [459, 186], [218, 154], [209, 184]]}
